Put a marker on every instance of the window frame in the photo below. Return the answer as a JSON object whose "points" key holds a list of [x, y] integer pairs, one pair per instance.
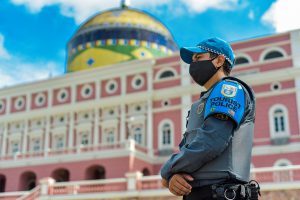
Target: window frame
{"points": [[269, 50], [160, 72], [162, 146], [273, 132]]}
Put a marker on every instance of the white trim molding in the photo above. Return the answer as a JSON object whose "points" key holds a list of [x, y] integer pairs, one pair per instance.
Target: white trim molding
{"points": [[244, 55], [282, 162], [160, 134], [285, 113]]}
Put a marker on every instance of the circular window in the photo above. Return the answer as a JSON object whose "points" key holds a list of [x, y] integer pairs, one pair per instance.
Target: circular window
{"points": [[2, 106], [111, 112], [165, 103], [19, 103], [61, 119], [137, 82], [62, 95], [40, 99], [111, 86], [138, 108], [86, 91], [275, 86]]}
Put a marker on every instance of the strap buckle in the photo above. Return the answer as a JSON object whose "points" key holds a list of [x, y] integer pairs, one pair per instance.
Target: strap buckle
{"points": [[225, 194]]}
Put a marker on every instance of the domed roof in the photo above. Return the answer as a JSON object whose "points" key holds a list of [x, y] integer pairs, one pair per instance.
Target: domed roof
{"points": [[118, 35]]}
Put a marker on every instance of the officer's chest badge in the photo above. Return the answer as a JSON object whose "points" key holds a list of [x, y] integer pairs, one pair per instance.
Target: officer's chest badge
{"points": [[228, 90], [200, 108]]}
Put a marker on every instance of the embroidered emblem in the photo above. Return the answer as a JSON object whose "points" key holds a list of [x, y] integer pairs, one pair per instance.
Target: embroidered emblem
{"points": [[212, 109], [200, 108], [221, 116], [228, 90]]}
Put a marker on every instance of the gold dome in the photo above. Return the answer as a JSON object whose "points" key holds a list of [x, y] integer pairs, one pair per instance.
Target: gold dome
{"points": [[118, 35]]}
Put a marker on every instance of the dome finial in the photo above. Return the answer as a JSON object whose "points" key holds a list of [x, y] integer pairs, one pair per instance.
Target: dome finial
{"points": [[125, 3]]}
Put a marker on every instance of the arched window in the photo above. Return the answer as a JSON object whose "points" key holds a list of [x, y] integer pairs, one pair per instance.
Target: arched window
{"points": [[166, 134], [61, 175], [36, 144], [84, 138], [279, 123], [95, 172], [2, 183], [28, 181], [273, 54], [241, 60], [59, 142], [138, 135], [109, 136], [284, 175], [278, 120], [146, 172], [166, 73]]}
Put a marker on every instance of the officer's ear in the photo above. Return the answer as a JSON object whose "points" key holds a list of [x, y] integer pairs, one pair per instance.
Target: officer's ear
{"points": [[220, 60]]}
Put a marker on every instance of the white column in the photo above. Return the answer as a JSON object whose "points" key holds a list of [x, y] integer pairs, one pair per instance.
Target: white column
{"points": [[4, 138], [123, 129], [132, 179], [45, 184], [123, 123], [186, 99], [25, 134], [149, 127], [185, 76], [71, 130], [96, 127], [149, 122], [295, 47], [50, 96], [73, 94], [28, 102], [97, 88], [47, 135]]}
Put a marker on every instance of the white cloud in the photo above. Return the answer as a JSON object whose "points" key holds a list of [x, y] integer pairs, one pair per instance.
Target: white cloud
{"points": [[251, 14], [203, 5], [18, 72], [283, 15], [3, 52], [82, 9]]}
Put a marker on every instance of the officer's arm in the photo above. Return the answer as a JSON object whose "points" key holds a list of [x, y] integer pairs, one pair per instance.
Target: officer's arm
{"points": [[211, 140], [165, 170]]}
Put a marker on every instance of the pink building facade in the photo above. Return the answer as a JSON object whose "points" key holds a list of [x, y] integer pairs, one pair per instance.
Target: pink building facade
{"points": [[106, 122]]}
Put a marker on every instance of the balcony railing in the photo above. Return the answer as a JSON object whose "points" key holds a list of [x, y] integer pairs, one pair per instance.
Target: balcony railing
{"points": [[135, 185], [127, 145]]}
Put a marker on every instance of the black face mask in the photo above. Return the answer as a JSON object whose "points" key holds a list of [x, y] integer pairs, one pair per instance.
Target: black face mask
{"points": [[202, 71]]}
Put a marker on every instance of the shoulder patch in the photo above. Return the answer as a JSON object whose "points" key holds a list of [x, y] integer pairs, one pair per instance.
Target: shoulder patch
{"points": [[221, 116], [226, 100], [228, 90]]}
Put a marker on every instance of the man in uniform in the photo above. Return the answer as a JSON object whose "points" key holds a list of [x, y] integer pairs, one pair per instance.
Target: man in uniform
{"points": [[215, 152]]}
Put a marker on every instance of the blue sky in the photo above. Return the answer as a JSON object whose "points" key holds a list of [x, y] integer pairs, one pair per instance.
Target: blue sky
{"points": [[34, 33]]}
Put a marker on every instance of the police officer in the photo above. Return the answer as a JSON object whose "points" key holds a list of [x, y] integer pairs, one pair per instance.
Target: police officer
{"points": [[215, 152]]}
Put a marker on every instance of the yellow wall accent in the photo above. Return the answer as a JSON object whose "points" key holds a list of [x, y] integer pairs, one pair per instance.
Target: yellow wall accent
{"points": [[101, 57]]}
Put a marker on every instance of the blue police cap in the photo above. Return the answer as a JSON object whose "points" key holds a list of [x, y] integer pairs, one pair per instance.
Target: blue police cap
{"points": [[214, 45]]}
